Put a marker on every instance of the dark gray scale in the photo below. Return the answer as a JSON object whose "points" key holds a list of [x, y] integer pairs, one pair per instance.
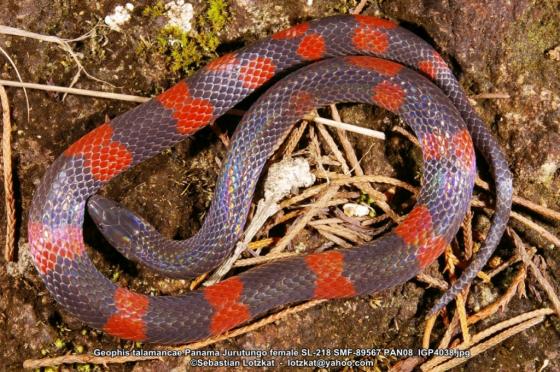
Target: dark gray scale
{"points": [[178, 319], [151, 121], [395, 263], [68, 179], [292, 282], [81, 289]]}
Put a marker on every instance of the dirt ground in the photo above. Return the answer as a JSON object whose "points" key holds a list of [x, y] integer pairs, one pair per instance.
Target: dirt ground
{"points": [[493, 47]]}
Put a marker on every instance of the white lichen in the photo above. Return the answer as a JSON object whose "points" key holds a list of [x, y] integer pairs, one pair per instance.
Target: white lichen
{"points": [[119, 17], [180, 14], [286, 177], [548, 170]]}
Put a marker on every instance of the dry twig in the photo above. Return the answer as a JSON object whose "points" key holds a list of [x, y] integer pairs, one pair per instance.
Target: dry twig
{"points": [[512, 327], [543, 211], [302, 221], [81, 92], [63, 43], [358, 9], [501, 302], [8, 177], [543, 281]]}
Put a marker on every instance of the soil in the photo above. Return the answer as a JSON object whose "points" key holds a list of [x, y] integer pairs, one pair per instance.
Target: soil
{"points": [[493, 46]]}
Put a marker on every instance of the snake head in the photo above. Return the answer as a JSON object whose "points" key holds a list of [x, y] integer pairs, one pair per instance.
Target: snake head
{"points": [[118, 225]]}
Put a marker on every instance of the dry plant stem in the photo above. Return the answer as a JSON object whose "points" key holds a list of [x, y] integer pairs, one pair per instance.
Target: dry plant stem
{"points": [[67, 359], [501, 302], [20, 79], [81, 92], [433, 282], [544, 211], [196, 282], [335, 239], [81, 359], [63, 43], [379, 197], [302, 221], [543, 281], [467, 235], [538, 228], [527, 222], [326, 221], [428, 327], [449, 332], [513, 259], [293, 139], [344, 126], [334, 148], [315, 149], [358, 9], [288, 216], [460, 300], [8, 177], [265, 209], [495, 328], [497, 95], [341, 232], [404, 365], [139, 99], [375, 220], [259, 244], [521, 324], [406, 134], [307, 193], [342, 180], [6, 30], [262, 259]]}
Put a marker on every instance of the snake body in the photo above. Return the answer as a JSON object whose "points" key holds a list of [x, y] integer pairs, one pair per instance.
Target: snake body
{"points": [[439, 115]]}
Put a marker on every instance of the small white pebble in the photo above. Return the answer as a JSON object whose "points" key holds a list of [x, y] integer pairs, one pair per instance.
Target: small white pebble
{"points": [[355, 210], [309, 2]]}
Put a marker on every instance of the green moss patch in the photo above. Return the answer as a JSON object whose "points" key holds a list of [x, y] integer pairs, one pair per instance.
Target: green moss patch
{"points": [[187, 51]]}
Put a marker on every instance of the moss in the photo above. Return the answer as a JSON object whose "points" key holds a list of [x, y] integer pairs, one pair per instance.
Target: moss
{"points": [[187, 51], [531, 38], [217, 14], [154, 11]]}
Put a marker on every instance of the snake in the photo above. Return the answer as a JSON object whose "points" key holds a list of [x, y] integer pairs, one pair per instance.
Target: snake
{"points": [[344, 58]]}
